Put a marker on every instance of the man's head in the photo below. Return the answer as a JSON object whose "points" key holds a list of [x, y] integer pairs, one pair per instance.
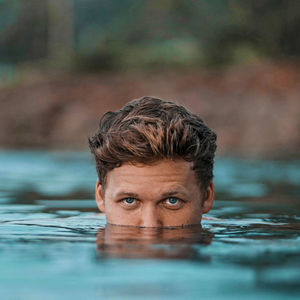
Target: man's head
{"points": [[154, 161]]}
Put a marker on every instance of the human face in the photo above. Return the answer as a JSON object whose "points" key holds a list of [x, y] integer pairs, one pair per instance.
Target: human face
{"points": [[163, 194]]}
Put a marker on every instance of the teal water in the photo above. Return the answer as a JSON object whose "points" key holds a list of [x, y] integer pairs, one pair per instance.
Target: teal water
{"points": [[54, 243]]}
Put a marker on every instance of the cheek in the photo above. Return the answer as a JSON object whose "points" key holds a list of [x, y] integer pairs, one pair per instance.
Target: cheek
{"points": [[111, 208], [191, 214], [115, 214]]}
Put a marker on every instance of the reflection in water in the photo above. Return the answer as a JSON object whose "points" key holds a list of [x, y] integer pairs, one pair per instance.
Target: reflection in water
{"points": [[167, 243]]}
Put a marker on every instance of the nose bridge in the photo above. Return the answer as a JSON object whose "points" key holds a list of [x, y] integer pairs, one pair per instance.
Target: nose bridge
{"points": [[150, 216]]}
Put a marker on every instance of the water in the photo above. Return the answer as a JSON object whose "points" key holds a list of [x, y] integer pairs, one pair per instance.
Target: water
{"points": [[54, 243]]}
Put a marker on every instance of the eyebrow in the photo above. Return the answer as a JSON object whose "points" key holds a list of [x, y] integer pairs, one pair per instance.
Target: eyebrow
{"points": [[126, 194], [170, 193]]}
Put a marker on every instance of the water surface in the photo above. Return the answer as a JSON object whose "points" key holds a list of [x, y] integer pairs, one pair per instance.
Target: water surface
{"points": [[54, 243]]}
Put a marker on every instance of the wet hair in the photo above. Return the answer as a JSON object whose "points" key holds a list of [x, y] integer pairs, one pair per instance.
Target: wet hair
{"points": [[149, 129]]}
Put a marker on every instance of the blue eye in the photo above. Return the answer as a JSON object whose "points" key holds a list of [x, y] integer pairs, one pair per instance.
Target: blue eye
{"points": [[173, 203], [172, 200], [129, 200]]}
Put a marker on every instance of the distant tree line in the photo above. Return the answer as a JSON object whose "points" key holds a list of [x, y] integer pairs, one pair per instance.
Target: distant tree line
{"points": [[103, 34]]}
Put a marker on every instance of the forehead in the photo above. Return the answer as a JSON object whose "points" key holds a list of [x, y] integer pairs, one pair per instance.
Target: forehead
{"points": [[157, 177]]}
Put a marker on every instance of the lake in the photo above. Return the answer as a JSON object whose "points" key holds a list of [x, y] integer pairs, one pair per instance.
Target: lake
{"points": [[54, 243]]}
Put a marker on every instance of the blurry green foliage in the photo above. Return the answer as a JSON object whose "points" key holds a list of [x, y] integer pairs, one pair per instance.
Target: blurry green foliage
{"points": [[23, 30], [158, 33]]}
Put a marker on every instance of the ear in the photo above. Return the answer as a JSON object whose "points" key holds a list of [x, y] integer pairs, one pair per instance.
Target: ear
{"points": [[209, 198], [99, 197]]}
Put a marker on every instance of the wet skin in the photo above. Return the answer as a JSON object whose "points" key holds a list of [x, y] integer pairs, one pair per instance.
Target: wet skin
{"points": [[163, 194]]}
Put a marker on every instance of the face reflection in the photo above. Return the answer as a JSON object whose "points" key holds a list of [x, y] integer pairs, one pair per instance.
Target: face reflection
{"points": [[163, 194], [137, 242]]}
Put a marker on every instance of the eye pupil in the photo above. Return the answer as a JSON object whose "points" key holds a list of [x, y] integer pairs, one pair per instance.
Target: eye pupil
{"points": [[173, 200], [129, 200]]}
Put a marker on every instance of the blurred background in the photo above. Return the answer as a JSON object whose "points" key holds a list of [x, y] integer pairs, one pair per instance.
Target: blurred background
{"points": [[63, 63]]}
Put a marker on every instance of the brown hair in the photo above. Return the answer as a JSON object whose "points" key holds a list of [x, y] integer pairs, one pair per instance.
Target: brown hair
{"points": [[149, 129]]}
